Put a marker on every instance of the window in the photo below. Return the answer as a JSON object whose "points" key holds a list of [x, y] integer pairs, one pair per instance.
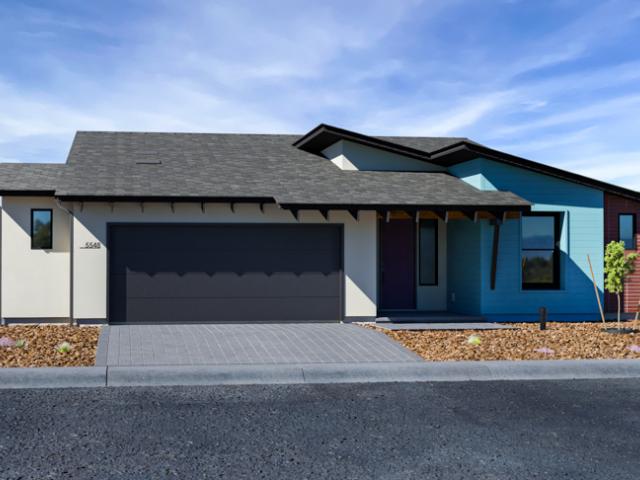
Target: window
{"points": [[41, 229], [428, 252], [540, 251], [627, 230]]}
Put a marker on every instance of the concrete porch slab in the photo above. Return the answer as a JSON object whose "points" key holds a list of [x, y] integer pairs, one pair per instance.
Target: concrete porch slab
{"points": [[444, 326], [418, 316]]}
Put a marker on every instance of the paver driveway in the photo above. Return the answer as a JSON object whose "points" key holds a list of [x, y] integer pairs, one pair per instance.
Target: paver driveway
{"points": [[234, 344]]}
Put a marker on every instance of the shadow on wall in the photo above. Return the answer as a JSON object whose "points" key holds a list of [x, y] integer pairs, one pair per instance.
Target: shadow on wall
{"points": [[18, 212], [469, 283]]}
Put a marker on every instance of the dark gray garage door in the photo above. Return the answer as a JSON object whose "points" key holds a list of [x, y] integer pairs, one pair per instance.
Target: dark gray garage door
{"points": [[219, 273]]}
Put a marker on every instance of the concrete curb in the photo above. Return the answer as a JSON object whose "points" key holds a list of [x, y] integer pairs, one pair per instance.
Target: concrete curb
{"points": [[317, 373], [53, 377], [102, 348], [203, 375]]}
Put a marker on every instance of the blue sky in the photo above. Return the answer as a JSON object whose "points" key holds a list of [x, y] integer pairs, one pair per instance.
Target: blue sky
{"points": [[553, 81]]}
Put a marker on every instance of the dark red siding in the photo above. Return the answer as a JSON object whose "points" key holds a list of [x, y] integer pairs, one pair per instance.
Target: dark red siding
{"points": [[613, 207]]}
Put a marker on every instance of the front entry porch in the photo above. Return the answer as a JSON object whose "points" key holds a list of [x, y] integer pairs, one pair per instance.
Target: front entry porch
{"points": [[433, 269], [412, 268]]}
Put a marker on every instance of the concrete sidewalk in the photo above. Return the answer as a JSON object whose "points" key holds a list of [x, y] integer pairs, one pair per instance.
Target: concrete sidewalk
{"points": [[105, 376]]}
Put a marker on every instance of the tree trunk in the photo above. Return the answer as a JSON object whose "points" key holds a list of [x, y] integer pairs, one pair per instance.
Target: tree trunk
{"points": [[618, 309]]}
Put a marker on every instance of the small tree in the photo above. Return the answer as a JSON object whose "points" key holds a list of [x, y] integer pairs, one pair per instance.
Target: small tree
{"points": [[617, 266]]}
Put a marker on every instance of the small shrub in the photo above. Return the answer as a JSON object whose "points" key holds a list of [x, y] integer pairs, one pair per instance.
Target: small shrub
{"points": [[6, 342], [64, 347], [617, 266], [474, 340]]}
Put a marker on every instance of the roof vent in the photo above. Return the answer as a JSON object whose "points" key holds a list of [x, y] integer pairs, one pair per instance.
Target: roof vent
{"points": [[148, 162]]}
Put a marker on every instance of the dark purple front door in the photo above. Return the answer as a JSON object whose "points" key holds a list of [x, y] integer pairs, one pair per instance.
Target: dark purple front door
{"points": [[397, 265]]}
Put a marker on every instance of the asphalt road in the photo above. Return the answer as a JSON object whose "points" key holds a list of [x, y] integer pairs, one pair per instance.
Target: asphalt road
{"points": [[485, 430]]}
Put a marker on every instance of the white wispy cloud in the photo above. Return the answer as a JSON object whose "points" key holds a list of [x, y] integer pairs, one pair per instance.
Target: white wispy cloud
{"points": [[564, 90], [615, 107]]}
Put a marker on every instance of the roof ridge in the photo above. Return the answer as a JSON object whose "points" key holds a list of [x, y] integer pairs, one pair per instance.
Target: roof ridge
{"points": [[157, 132]]}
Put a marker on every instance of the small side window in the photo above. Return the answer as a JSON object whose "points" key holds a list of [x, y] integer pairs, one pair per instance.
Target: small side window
{"points": [[428, 252], [627, 230], [41, 229]]}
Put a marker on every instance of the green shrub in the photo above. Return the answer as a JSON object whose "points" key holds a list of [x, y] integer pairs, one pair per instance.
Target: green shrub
{"points": [[617, 266]]}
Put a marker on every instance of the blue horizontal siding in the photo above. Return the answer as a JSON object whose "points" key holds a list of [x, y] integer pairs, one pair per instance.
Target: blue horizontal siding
{"points": [[463, 267], [582, 234]]}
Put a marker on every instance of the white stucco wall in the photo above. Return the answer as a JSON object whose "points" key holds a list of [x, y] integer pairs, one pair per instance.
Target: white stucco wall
{"points": [[353, 156], [90, 265], [35, 283]]}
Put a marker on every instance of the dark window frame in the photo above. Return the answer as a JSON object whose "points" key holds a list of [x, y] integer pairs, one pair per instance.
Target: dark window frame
{"points": [[436, 251], [557, 231], [633, 229], [31, 232]]}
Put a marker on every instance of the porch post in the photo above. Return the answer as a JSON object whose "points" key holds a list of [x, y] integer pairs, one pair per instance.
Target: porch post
{"points": [[494, 256]]}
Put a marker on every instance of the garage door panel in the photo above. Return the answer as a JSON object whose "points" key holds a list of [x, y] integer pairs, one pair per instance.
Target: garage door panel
{"points": [[213, 238], [204, 273], [239, 262], [223, 285], [205, 310]]}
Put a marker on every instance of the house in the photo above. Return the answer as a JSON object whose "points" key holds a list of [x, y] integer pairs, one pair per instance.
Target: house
{"points": [[621, 220], [332, 225]]}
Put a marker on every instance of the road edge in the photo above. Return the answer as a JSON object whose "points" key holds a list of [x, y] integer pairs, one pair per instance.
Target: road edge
{"points": [[123, 376]]}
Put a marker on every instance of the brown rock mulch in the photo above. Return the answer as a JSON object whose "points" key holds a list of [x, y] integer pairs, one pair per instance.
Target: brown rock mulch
{"points": [[41, 342], [561, 341]]}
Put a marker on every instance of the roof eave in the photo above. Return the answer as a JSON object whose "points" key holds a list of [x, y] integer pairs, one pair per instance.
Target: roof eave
{"points": [[324, 136], [464, 151], [67, 197], [522, 207], [27, 193]]}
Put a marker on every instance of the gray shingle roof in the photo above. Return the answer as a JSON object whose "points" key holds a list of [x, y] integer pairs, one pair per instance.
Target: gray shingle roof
{"points": [[30, 177], [121, 164]]}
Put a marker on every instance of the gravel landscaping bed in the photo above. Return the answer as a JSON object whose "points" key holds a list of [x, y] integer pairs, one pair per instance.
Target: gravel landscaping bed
{"points": [[48, 346], [561, 341]]}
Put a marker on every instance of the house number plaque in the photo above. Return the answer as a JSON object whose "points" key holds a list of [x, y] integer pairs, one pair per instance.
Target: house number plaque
{"points": [[90, 245]]}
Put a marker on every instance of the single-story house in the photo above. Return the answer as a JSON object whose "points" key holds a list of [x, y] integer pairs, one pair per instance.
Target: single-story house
{"points": [[332, 225]]}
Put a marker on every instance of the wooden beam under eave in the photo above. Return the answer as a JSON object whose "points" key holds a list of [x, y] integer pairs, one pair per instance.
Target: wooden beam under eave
{"points": [[485, 215], [429, 215], [513, 215], [399, 215], [456, 215]]}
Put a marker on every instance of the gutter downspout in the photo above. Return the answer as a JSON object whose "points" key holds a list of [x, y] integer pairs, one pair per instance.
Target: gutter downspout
{"points": [[71, 250]]}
